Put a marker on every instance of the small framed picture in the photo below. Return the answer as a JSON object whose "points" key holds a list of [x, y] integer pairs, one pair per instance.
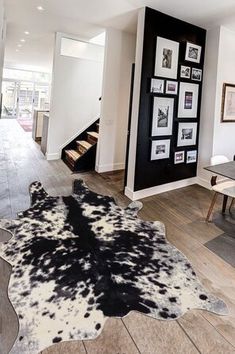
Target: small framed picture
{"points": [[191, 156], [179, 157], [188, 100], [160, 149], [228, 104], [172, 87], [162, 121], [185, 72], [187, 134], [166, 60], [157, 86], [196, 74], [193, 52]]}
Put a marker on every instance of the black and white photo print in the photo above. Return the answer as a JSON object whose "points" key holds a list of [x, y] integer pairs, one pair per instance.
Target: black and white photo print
{"points": [[187, 134], [157, 86], [166, 60], [193, 52], [196, 74], [162, 119], [185, 72], [160, 149]]}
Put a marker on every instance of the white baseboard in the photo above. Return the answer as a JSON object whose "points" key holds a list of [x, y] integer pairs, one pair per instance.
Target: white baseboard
{"points": [[55, 156], [204, 183], [148, 192], [110, 167]]}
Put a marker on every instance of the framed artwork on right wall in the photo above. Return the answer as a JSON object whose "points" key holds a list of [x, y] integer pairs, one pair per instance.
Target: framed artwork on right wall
{"points": [[228, 103]]}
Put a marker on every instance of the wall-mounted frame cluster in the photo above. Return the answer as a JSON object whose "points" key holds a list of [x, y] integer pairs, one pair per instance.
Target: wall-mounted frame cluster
{"points": [[164, 86], [170, 99]]}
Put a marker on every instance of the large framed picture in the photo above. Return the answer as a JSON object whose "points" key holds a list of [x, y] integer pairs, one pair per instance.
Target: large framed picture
{"points": [[162, 121], [187, 134], [193, 52], [160, 149], [228, 103], [188, 100], [166, 60], [157, 86]]}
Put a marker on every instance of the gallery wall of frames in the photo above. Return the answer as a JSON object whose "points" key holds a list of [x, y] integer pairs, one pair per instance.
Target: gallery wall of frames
{"points": [[170, 100]]}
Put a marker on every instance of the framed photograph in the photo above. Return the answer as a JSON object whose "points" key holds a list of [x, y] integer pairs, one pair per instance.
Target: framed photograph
{"points": [[193, 52], [196, 74], [160, 149], [157, 86], [188, 100], [187, 134], [179, 157], [166, 60], [185, 72], [162, 121], [228, 103], [191, 156], [172, 87]]}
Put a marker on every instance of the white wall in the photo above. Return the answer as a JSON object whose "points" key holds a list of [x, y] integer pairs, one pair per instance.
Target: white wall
{"points": [[2, 38], [216, 138], [224, 134], [119, 56], [76, 88]]}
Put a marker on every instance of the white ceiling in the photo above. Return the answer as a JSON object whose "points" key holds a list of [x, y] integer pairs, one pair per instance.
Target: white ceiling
{"points": [[87, 18]]}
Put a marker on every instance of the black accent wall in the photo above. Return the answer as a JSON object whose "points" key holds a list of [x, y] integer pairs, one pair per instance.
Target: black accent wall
{"points": [[152, 173]]}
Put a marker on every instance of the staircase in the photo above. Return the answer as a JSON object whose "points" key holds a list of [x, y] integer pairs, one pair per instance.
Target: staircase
{"points": [[80, 154]]}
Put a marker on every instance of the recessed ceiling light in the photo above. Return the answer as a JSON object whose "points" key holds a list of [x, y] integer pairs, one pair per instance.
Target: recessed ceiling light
{"points": [[17, 50], [40, 8], [22, 40], [26, 32], [19, 45]]}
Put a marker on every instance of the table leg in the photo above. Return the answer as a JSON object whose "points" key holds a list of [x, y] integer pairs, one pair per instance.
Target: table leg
{"points": [[224, 203]]}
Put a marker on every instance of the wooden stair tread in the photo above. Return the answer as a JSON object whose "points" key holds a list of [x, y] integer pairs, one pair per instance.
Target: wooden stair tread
{"points": [[93, 134], [84, 144], [73, 154]]}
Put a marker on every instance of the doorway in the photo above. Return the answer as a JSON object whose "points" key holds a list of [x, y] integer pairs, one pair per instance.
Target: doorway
{"points": [[20, 98]]}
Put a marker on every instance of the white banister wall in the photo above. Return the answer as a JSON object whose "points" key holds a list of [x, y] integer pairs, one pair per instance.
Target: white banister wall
{"points": [[76, 88], [119, 57]]}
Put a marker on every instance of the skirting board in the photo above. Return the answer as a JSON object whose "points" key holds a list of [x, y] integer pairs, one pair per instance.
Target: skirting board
{"points": [[109, 168], [55, 156], [144, 193]]}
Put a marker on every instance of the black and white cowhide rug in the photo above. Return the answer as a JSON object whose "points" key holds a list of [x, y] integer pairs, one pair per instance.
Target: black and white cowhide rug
{"points": [[80, 259]]}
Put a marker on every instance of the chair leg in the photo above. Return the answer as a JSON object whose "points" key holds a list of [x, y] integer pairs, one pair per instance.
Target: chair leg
{"points": [[225, 204], [231, 205], [211, 207]]}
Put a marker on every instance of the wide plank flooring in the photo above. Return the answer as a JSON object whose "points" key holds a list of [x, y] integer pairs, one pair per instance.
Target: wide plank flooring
{"points": [[183, 211]]}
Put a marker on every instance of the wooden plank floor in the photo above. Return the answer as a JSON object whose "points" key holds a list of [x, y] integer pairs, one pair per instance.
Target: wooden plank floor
{"points": [[183, 212]]}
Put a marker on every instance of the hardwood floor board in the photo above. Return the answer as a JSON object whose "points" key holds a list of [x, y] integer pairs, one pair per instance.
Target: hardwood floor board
{"points": [[202, 231], [203, 334], [154, 336], [114, 339]]}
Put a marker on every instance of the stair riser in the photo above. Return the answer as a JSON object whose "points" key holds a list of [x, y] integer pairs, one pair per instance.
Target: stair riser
{"points": [[81, 149], [91, 140]]}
